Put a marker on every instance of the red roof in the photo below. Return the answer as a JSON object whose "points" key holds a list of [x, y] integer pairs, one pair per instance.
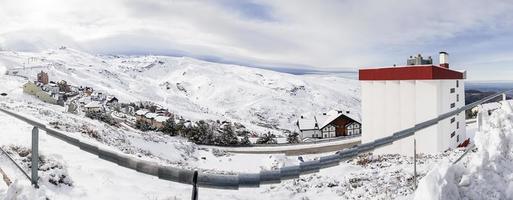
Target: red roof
{"points": [[417, 72]]}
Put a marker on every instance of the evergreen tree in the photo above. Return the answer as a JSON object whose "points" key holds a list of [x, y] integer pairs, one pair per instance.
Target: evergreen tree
{"points": [[293, 138], [227, 136], [142, 125], [268, 138], [245, 140], [170, 127]]}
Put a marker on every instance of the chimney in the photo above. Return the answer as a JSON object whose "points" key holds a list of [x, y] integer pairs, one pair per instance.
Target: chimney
{"points": [[444, 59]]}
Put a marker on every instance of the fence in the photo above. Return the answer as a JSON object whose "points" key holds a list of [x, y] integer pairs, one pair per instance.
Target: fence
{"points": [[237, 180]]}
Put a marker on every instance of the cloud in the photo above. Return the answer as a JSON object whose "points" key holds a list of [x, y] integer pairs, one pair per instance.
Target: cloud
{"points": [[327, 34]]}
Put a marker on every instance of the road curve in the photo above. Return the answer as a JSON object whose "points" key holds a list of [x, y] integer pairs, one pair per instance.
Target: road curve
{"points": [[292, 150]]}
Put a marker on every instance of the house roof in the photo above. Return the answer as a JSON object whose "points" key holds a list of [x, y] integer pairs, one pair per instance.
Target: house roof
{"points": [[161, 118], [142, 112], [93, 104], [323, 120], [112, 99], [151, 115], [416, 72], [306, 124]]}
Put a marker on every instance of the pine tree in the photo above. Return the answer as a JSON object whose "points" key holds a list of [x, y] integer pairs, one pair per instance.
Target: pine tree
{"points": [[170, 127], [293, 138], [142, 125], [245, 140], [268, 138], [228, 136]]}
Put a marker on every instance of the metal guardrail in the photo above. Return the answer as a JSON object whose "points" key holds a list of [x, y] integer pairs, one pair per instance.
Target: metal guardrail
{"points": [[472, 146], [237, 180], [15, 163]]}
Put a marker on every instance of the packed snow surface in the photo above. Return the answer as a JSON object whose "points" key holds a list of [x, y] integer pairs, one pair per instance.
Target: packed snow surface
{"points": [[484, 174]]}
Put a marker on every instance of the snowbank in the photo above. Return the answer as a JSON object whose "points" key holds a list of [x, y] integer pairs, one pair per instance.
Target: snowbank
{"points": [[485, 174]]}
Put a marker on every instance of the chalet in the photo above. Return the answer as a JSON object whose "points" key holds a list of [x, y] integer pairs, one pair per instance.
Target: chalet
{"points": [[112, 101], [140, 114], [88, 91], [63, 86], [329, 125], [159, 121], [93, 106], [150, 117]]}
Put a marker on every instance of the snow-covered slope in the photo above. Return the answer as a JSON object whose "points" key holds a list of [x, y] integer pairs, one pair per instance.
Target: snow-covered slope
{"points": [[196, 89], [484, 174]]}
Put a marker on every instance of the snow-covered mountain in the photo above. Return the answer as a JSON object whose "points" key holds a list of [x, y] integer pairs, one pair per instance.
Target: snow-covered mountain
{"points": [[260, 99]]}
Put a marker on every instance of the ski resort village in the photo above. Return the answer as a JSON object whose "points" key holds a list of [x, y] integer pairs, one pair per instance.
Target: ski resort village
{"points": [[256, 100], [51, 88]]}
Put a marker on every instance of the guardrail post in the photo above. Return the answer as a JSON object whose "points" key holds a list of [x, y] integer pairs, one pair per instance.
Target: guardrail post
{"points": [[415, 163], [35, 156], [194, 186], [479, 119]]}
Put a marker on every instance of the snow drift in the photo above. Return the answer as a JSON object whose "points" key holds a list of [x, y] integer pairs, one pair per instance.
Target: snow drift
{"points": [[485, 174]]}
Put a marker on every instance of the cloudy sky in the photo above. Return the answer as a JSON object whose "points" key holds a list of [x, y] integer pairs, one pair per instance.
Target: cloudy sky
{"points": [[334, 35]]}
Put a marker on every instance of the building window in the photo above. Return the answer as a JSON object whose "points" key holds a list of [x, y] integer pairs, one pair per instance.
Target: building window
{"points": [[453, 120], [457, 125], [458, 138], [453, 105], [458, 98], [457, 83], [353, 129], [453, 90], [452, 134]]}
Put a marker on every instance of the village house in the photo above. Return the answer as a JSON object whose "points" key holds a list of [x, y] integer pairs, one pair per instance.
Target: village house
{"points": [[159, 121], [63, 86], [112, 101], [45, 90], [150, 117], [140, 114], [42, 77], [86, 91], [36, 90], [93, 106], [329, 125]]}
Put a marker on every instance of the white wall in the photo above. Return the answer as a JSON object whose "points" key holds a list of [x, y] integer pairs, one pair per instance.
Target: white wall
{"points": [[390, 106], [367, 91]]}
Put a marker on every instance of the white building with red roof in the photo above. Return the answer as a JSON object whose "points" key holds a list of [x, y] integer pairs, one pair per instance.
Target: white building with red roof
{"points": [[398, 97]]}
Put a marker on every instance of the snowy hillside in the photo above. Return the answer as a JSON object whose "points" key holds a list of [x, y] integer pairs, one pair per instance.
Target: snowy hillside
{"points": [[195, 89], [486, 173]]}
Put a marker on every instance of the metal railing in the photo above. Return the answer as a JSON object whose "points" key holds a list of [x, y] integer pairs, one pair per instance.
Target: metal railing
{"points": [[237, 180]]}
